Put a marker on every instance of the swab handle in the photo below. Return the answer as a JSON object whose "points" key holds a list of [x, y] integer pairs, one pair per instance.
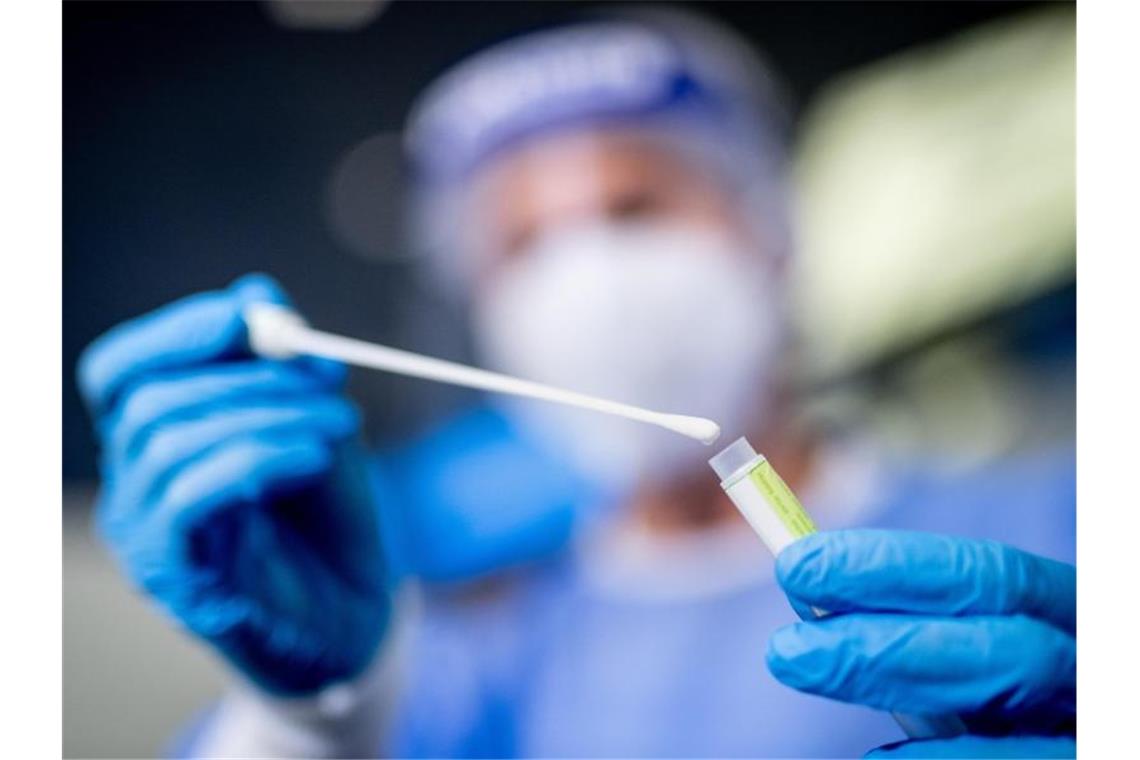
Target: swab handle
{"points": [[278, 332]]}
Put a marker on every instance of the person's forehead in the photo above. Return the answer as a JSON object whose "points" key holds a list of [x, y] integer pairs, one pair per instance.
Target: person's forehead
{"points": [[580, 160]]}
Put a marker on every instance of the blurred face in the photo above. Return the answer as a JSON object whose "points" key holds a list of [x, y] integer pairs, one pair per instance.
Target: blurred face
{"points": [[607, 264], [600, 177]]}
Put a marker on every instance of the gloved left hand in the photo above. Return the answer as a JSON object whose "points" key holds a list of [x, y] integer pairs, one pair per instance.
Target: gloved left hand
{"points": [[234, 491], [925, 624]]}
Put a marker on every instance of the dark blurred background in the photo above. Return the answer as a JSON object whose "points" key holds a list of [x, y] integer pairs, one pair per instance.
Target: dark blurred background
{"points": [[205, 140]]}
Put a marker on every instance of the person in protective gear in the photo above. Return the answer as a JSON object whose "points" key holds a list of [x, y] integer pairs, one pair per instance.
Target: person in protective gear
{"points": [[608, 199]]}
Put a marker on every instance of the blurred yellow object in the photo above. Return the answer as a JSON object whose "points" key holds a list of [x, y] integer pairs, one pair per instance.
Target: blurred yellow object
{"points": [[936, 187]]}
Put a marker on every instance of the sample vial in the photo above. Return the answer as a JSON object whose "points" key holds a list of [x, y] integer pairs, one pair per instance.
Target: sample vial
{"points": [[779, 519], [761, 495]]}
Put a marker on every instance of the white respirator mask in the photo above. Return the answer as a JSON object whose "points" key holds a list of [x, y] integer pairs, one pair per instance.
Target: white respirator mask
{"points": [[672, 318]]}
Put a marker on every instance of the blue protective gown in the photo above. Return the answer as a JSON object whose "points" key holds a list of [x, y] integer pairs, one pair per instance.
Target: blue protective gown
{"points": [[561, 660]]}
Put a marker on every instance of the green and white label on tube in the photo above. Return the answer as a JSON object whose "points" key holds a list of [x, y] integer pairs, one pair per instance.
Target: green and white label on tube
{"points": [[781, 499], [761, 495]]}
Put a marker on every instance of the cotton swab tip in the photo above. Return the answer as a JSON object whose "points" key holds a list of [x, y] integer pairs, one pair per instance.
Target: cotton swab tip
{"points": [[269, 326], [704, 430]]}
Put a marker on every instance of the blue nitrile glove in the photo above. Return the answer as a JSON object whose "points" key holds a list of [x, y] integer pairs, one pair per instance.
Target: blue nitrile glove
{"points": [[931, 624], [234, 492], [474, 496]]}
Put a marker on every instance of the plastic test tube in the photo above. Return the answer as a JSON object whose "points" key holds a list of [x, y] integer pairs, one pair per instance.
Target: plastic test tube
{"points": [[776, 515]]}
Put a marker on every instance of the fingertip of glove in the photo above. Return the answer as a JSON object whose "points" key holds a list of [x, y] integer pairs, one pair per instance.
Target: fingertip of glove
{"points": [[96, 371], [805, 657], [195, 327], [784, 646], [797, 565], [86, 376], [258, 287]]}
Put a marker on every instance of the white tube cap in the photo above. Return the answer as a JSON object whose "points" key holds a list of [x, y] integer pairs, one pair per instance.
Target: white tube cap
{"points": [[736, 455]]}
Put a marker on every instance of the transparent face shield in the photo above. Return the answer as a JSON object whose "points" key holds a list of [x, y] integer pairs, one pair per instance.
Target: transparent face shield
{"points": [[657, 169]]}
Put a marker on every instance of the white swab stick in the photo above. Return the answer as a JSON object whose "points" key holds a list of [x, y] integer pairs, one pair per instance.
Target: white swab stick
{"points": [[277, 332]]}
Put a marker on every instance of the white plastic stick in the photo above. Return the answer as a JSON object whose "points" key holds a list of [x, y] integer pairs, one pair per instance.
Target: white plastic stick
{"points": [[277, 332]]}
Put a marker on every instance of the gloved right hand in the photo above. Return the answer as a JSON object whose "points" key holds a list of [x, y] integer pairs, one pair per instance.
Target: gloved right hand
{"points": [[234, 492], [927, 624]]}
